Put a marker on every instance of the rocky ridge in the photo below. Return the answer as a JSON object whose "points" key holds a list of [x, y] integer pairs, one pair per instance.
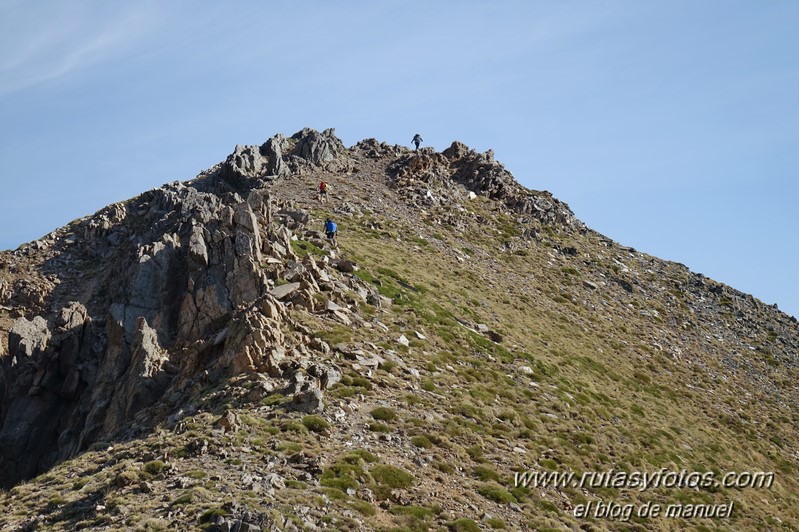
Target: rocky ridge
{"points": [[139, 321], [187, 293]]}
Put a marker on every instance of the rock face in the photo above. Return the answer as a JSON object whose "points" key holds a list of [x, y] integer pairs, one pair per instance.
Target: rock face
{"points": [[317, 148], [279, 156], [28, 337], [479, 174], [248, 161], [180, 290]]}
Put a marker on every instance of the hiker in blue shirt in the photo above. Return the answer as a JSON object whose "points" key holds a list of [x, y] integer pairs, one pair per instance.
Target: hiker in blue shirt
{"points": [[330, 231]]}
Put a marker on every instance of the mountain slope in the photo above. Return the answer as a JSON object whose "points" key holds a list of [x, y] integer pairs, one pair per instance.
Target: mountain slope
{"points": [[201, 354]]}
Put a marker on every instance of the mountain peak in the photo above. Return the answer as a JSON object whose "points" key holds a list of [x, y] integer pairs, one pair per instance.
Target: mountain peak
{"points": [[209, 337]]}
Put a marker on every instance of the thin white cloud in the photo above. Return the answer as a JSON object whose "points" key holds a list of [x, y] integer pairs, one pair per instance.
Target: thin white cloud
{"points": [[40, 43]]}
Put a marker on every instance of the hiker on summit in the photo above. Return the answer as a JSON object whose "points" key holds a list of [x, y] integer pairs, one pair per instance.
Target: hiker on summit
{"points": [[323, 192], [331, 230], [417, 139]]}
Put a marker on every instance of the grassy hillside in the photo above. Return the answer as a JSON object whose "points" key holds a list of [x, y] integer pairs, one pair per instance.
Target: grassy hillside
{"points": [[499, 346]]}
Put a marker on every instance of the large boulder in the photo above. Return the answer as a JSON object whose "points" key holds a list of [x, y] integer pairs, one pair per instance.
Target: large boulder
{"points": [[247, 161], [275, 149], [253, 343], [72, 316], [26, 337], [279, 157], [173, 288], [317, 148]]}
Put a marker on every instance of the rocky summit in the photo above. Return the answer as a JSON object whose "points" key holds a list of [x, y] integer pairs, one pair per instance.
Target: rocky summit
{"points": [[202, 356]]}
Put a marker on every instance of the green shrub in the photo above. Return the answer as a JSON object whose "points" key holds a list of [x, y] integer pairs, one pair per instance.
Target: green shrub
{"points": [[485, 474], [361, 382], [463, 525], [288, 447], [355, 457], [412, 399], [382, 413], [496, 523], [274, 399], [343, 391], [475, 452], [315, 423], [364, 508], [521, 492], [417, 512], [496, 493], [210, 515], [335, 493], [155, 467], [507, 415], [549, 464], [444, 467], [388, 366], [303, 248], [392, 477], [342, 476], [186, 498], [422, 442], [292, 425], [127, 477]]}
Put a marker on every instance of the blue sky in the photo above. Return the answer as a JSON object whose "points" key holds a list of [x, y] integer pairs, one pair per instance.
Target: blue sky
{"points": [[671, 126]]}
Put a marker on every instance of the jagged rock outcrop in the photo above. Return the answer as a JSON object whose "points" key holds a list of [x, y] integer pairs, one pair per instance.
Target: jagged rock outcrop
{"points": [[478, 173], [317, 148], [27, 337], [254, 341], [280, 156], [248, 161], [183, 274], [29, 293], [275, 148]]}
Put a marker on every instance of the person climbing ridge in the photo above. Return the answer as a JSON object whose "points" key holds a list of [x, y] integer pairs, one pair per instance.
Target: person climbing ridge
{"points": [[417, 139], [331, 231], [323, 192]]}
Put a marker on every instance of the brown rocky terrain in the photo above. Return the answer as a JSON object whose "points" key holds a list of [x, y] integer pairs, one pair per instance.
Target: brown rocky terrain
{"points": [[201, 357]]}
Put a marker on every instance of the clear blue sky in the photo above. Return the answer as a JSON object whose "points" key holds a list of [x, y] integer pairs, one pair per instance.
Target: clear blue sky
{"points": [[671, 126]]}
